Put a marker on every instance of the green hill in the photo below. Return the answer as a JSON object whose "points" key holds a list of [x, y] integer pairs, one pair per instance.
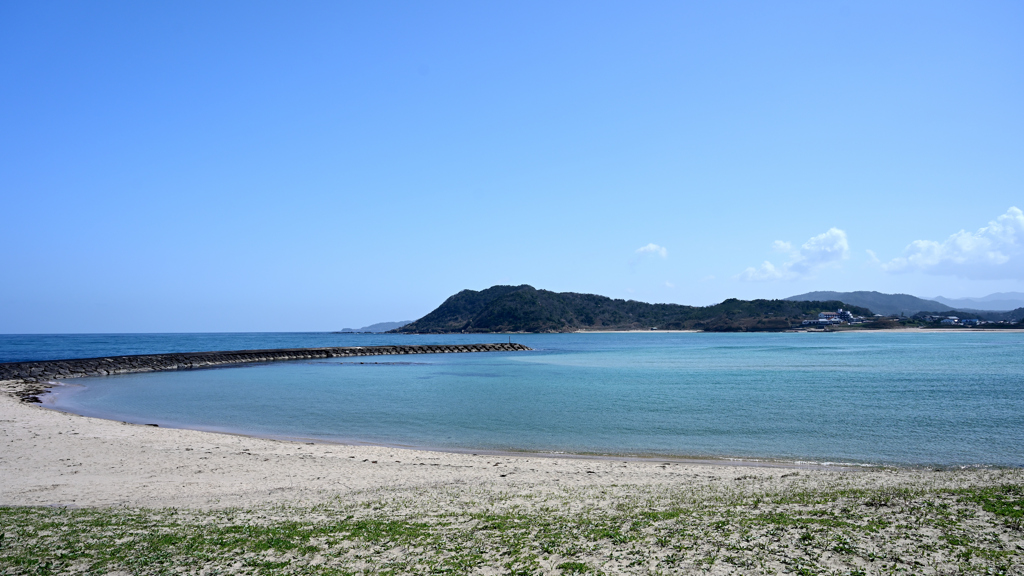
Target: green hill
{"points": [[879, 302], [526, 309]]}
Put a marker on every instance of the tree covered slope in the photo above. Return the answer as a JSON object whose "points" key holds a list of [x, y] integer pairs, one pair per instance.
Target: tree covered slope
{"points": [[526, 309]]}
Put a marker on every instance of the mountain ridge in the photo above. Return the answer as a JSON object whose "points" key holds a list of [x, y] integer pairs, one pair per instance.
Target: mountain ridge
{"points": [[878, 302], [526, 309], [998, 301]]}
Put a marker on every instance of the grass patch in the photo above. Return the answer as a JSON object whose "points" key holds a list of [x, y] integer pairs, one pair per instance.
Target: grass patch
{"points": [[574, 568], [635, 530], [1006, 502]]}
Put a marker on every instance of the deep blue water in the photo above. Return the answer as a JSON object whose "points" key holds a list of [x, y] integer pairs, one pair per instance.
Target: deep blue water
{"points": [[879, 398]]}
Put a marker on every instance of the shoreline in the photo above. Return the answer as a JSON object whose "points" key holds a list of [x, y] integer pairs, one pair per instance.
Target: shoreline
{"points": [[59, 458], [110, 497], [46, 403], [56, 458], [623, 457]]}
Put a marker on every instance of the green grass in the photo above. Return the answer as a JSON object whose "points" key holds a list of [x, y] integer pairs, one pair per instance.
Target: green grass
{"points": [[1006, 501], [625, 530]]}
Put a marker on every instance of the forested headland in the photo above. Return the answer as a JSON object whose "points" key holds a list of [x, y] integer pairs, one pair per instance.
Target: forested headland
{"points": [[527, 309]]}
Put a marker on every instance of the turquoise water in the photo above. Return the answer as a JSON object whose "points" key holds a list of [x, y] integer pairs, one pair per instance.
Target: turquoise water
{"points": [[874, 398]]}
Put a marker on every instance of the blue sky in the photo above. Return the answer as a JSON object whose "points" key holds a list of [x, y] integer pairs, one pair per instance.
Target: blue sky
{"points": [[248, 166]]}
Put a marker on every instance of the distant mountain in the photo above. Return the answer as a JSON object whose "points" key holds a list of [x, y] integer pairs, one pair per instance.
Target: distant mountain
{"points": [[526, 309], [999, 301], [878, 302], [378, 327]]}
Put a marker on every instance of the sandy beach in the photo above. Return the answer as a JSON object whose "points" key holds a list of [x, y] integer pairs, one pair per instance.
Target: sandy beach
{"points": [[80, 494]]}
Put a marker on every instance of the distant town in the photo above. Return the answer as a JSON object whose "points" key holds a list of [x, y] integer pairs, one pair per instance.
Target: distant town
{"points": [[841, 317]]}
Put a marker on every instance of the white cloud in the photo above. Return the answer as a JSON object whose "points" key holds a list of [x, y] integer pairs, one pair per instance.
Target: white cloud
{"points": [[653, 249], [820, 251], [766, 271], [994, 251], [669, 285]]}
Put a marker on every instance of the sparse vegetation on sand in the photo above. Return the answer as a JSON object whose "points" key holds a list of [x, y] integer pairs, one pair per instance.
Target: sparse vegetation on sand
{"points": [[747, 527]]}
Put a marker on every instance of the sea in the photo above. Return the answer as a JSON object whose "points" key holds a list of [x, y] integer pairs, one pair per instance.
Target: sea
{"points": [[913, 398]]}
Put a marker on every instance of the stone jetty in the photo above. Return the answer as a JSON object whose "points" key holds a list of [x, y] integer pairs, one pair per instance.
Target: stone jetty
{"points": [[27, 380]]}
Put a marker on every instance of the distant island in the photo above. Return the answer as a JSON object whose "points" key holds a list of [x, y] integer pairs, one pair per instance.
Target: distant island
{"points": [[375, 328], [527, 309]]}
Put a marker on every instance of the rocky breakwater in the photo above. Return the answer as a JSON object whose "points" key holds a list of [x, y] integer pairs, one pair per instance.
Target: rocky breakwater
{"points": [[27, 380]]}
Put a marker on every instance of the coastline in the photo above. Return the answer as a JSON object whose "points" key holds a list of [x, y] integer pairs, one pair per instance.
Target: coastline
{"points": [[84, 495], [46, 403], [677, 447], [111, 496], [63, 459], [59, 458]]}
